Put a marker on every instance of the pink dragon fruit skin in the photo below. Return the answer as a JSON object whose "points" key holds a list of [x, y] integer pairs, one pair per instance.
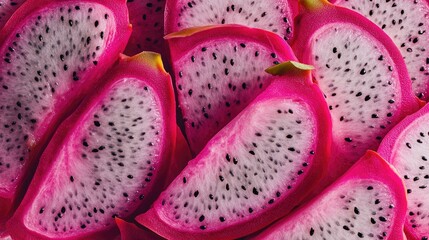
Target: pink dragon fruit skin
{"points": [[7, 8], [169, 217], [336, 211], [405, 148], [63, 97], [362, 74], [130, 231], [218, 70], [68, 160], [275, 16]]}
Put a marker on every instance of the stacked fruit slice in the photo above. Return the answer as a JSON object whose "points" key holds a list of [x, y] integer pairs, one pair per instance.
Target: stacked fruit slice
{"points": [[282, 138]]}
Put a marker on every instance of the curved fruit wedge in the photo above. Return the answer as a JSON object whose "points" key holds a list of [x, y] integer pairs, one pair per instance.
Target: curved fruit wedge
{"points": [[361, 73], [7, 8], [271, 15], [406, 148], [368, 202], [254, 171], [407, 24], [218, 71], [50, 57], [147, 18], [130, 231], [108, 159]]}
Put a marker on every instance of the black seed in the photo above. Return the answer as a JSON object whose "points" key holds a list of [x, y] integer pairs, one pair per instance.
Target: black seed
{"points": [[201, 218], [250, 210], [311, 231], [369, 188], [383, 219], [71, 178], [184, 180], [363, 71], [252, 152], [83, 226], [360, 234], [203, 227], [41, 210], [408, 145], [196, 193], [222, 219], [190, 92], [356, 210], [372, 221], [97, 123], [255, 191], [204, 49], [347, 139], [226, 71], [242, 45]]}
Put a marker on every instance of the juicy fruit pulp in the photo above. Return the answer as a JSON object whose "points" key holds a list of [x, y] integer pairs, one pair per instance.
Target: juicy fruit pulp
{"points": [[274, 16], [52, 54], [367, 202], [7, 8], [253, 171], [362, 75], [406, 23], [108, 159], [406, 148], [218, 71]]}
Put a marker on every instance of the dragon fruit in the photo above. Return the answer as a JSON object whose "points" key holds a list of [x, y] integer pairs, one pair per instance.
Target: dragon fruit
{"points": [[52, 54], [218, 71], [147, 18], [7, 8], [108, 159], [367, 202], [405, 147], [254, 170], [362, 75], [130, 231], [406, 22], [271, 15]]}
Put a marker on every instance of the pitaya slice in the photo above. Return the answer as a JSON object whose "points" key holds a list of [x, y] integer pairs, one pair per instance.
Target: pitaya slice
{"points": [[52, 54], [406, 22], [406, 148], [272, 15], [361, 73], [107, 159], [7, 8], [147, 18], [254, 171], [218, 71], [368, 202], [130, 231]]}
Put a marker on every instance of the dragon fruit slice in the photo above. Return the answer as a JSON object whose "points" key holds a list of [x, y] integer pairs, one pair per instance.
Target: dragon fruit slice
{"points": [[147, 18], [362, 75], [406, 22], [406, 148], [218, 71], [254, 171], [107, 159], [367, 202], [130, 231], [7, 8], [52, 54], [271, 15]]}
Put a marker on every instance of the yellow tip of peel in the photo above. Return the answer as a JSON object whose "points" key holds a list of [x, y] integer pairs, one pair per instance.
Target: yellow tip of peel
{"points": [[313, 4], [188, 32], [151, 59], [288, 67]]}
